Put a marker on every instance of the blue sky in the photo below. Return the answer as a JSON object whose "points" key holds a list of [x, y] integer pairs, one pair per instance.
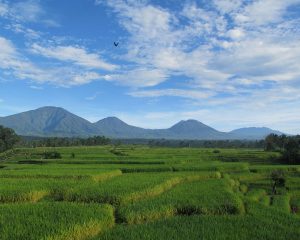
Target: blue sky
{"points": [[227, 63]]}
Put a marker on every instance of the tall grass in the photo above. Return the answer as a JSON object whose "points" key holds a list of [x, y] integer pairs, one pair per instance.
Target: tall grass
{"points": [[180, 193], [262, 223], [200, 197], [54, 221]]}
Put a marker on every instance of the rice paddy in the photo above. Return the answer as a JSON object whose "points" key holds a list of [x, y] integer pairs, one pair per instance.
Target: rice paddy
{"points": [[137, 192]]}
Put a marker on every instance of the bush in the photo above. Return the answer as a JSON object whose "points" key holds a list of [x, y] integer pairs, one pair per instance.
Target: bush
{"points": [[118, 153], [291, 154], [52, 155], [278, 180]]}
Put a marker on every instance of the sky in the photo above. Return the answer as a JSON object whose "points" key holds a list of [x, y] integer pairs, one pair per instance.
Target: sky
{"points": [[226, 63]]}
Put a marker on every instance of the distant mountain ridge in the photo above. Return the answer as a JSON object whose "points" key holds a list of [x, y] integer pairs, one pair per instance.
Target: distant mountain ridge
{"points": [[253, 132], [58, 122]]}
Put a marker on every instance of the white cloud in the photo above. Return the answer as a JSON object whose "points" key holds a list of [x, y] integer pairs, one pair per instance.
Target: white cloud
{"points": [[243, 62], [3, 8], [25, 11], [249, 58], [260, 60], [29, 10], [227, 6], [28, 32], [20, 67], [139, 77], [158, 39], [76, 55], [36, 87], [236, 33], [262, 12], [193, 94]]}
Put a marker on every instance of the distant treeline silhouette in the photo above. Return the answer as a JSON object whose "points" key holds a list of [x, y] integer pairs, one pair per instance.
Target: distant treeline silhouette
{"points": [[63, 141], [101, 140]]}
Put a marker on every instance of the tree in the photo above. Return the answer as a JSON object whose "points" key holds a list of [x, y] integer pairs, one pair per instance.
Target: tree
{"points": [[278, 180], [271, 142], [289, 146], [291, 151], [8, 138]]}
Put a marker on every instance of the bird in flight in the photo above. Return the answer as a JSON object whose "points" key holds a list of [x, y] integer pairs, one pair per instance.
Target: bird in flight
{"points": [[116, 44]]}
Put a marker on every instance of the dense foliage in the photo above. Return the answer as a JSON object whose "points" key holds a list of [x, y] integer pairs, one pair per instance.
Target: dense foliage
{"points": [[207, 143], [64, 142], [8, 138], [52, 155], [288, 145], [101, 140]]}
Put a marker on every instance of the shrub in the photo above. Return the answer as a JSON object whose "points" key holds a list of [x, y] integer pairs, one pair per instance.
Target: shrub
{"points": [[52, 155], [118, 152]]}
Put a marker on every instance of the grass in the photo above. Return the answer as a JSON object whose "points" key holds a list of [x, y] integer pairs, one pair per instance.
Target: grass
{"points": [[127, 187], [186, 199], [137, 192], [282, 203], [258, 224], [54, 221]]}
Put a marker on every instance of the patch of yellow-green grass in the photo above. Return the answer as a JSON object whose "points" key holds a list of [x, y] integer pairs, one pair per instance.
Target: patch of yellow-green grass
{"points": [[13, 196], [54, 221]]}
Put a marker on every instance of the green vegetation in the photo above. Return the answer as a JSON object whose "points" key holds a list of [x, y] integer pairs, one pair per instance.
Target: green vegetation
{"points": [[288, 146], [140, 192], [54, 221], [63, 141], [8, 139], [52, 155]]}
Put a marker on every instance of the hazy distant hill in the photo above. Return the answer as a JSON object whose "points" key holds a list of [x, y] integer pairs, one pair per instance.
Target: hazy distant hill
{"points": [[253, 133], [54, 121]]}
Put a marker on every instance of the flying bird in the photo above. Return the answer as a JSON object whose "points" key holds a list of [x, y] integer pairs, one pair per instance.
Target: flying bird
{"points": [[116, 44]]}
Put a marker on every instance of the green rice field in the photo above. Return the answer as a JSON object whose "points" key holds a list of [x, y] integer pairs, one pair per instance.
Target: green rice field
{"points": [[138, 192]]}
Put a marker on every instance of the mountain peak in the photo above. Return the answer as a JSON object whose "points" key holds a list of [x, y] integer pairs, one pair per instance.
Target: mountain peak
{"points": [[193, 129], [190, 123], [50, 108], [49, 121], [111, 119]]}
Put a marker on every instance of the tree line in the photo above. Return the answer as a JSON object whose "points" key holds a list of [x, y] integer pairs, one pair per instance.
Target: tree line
{"points": [[206, 143], [289, 146], [63, 141]]}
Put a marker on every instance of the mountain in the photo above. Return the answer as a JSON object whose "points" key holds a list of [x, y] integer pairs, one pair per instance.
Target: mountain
{"points": [[192, 129], [115, 128], [252, 133], [49, 121], [58, 122]]}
